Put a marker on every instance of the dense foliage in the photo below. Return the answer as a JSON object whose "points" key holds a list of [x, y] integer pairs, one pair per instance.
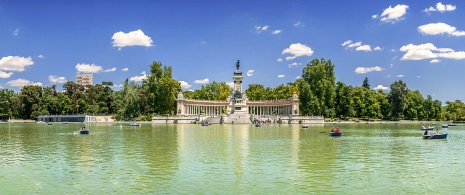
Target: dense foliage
{"points": [[318, 91]]}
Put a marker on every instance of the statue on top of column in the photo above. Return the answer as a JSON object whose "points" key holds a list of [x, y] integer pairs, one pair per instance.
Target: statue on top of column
{"points": [[238, 64]]}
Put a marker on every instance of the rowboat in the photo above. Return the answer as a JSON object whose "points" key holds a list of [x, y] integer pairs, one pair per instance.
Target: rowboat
{"points": [[435, 136], [85, 131], [335, 133]]}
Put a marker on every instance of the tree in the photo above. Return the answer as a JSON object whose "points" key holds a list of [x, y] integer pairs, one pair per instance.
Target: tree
{"points": [[319, 74], [366, 84], [397, 99]]}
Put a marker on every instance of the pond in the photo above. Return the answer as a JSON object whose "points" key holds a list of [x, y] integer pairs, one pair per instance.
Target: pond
{"points": [[229, 159]]}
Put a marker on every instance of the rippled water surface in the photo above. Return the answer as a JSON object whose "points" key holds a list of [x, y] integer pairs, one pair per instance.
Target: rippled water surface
{"points": [[229, 159]]}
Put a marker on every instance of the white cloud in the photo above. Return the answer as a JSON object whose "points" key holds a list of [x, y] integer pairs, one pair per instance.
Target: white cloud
{"points": [[5, 75], [15, 63], [400, 75], [259, 29], [56, 79], [363, 48], [88, 68], [124, 69], [41, 56], [297, 50], [440, 8], [133, 38], [230, 83], [139, 78], [16, 32], [117, 86], [295, 64], [280, 76], [429, 51], [202, 81], [357, 44], [279, 60], [381, 87], [394, 14], [297, 77], [440, 28], [299, 24], [185, 85], [275, 32], [110, 70], [434, 61], [21, 83], [374, 16], [250, 72], [364, 70], [346, 43], [378, 48]]}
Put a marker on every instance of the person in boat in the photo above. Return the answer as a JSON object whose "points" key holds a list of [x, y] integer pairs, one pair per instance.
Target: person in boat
{"points": [[437, 131], [338, 130], [426, 132], [332, 130]]}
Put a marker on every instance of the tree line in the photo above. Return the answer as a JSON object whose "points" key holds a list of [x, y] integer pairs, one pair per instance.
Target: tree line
{"points": [[318, 91]]}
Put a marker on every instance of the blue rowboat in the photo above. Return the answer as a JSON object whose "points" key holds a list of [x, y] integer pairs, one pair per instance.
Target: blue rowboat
{"points": [[435, 136], [83, 131], [335, 133]]}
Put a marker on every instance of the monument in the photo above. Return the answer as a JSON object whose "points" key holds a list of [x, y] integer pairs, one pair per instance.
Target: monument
{"points": [[239, 111]]}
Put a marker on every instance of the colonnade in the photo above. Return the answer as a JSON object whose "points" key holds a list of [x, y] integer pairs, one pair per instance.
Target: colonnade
{"points": [[205, 110], [271, 110]]}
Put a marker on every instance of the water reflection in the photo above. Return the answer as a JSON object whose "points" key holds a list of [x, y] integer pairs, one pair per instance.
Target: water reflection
{"points": [[237, 159]]}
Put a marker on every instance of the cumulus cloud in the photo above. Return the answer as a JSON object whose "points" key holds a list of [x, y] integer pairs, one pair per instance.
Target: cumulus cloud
{"points": [[378, 48], [259, 29], [21, 83], [358, 46], [202, 81], [279, 60], [434, 61], [250, 72], [124, 69], [280, 76], [133, 38], [393, 14], [56, 79], [110, 70], [440, 28], [295, 64], [41, 56], [381, 87], [429, 51], [88, 68], [15, 63], [297, 50], [364, 70], [374, 16], [185, 85], [5, 75], [139, 78], [440, 8], [346, 43], [363, 48], [275, 32]]}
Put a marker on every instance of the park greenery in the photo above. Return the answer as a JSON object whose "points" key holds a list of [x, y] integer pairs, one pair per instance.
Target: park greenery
{"points": [[318, 91]]}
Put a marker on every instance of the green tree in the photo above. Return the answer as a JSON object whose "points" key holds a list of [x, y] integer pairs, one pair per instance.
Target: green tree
{"points": [[319, 74], [366, 84], [397, 99]]}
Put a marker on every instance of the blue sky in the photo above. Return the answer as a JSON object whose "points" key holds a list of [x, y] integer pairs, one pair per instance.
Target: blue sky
{"points": [[419, 42]]}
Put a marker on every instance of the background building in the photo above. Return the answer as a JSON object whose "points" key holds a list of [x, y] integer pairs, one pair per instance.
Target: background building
{"points": [[84, 79]]}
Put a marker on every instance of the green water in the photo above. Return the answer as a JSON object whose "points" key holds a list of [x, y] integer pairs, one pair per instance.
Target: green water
{"points": [[229, 159]]}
